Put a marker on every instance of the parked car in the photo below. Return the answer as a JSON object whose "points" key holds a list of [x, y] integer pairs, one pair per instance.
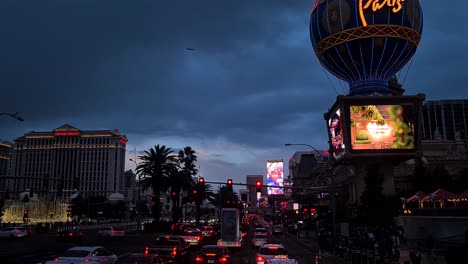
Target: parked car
{"points": [[111, 232], [69, 235], [85, 255], [277, 229], [213, 254], [14, 232]]}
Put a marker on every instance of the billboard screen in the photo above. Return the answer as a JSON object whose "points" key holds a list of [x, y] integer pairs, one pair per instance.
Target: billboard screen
{"points": [[335, 133], [382, 127], [275, 179]]}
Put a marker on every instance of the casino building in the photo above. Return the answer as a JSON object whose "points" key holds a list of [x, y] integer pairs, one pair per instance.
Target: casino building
{"points": [[59, 163]]}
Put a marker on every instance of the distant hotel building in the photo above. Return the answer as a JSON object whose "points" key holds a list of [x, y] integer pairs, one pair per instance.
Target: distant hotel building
{"points": [[445, 119], [69, 160], [5, 155]]}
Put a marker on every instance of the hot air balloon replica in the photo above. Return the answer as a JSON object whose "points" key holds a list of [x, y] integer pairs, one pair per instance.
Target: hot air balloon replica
{"points": [[372, 128], [365, 43]]}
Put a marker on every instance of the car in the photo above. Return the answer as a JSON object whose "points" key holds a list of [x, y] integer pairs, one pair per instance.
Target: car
{"points": [[259, 239], [14, 232], [172, 248], [111, 232], [208, 231], [281, 261], [93, 254], [193, 236], [213, 254], [270, 251], [277, 230], [141, 258], [261, 230], [69, 235]]}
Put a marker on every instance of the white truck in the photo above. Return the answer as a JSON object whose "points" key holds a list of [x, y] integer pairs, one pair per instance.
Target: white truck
{"points": [[231, 236]]}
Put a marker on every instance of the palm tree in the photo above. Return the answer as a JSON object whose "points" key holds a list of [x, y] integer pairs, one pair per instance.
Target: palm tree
{"points": [[156, 166], [181, 179], [225, 197]]}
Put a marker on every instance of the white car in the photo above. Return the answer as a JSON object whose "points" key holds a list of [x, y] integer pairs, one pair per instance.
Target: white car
{"points": [[14, 232], [78, 255], [110, 232], [259, 239], [271, 251]]}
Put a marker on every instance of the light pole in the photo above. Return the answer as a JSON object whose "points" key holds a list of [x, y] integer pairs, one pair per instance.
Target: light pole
{"points": [[333, 199], [14, 115]]}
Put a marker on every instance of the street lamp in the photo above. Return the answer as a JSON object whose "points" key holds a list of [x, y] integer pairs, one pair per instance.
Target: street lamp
{"points": [[333, 199], [14, 115]]}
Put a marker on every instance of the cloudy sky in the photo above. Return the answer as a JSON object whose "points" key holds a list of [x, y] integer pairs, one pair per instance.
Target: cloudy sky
{"points": [[252, 83]]}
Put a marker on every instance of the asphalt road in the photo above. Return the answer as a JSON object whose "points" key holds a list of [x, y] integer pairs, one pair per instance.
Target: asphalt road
{"points": [[41, 247]]}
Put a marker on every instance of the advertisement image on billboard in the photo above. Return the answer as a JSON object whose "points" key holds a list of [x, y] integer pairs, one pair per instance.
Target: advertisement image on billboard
{"points": [[382, 127], [335, 132], [275, 179]]}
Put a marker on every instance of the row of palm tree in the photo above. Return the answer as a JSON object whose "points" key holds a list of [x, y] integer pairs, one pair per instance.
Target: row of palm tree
{"points": [[162, 170]]}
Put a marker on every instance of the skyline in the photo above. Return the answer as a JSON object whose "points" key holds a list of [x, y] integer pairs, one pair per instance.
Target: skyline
{"points": [[235, 81]]}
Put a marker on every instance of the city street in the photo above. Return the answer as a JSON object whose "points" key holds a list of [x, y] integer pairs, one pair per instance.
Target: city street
{"points": [[41, 247]]}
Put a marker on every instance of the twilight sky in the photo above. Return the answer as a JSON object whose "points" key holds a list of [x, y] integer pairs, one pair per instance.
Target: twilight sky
{"points": [[252, 83]]}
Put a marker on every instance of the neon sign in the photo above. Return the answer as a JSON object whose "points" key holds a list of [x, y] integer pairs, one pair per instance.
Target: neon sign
{"points": [[377, 5], [69, 133], [123, 141]]}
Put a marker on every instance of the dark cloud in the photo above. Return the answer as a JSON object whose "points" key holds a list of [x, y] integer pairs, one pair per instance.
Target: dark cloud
{"points": [[252, 78]]}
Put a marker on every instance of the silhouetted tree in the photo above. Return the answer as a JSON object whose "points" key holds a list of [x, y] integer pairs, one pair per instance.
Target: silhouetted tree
{"points": [[156, 167]]}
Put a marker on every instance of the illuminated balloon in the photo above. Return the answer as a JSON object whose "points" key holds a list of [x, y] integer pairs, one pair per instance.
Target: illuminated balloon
{"points": [[365, 42]]}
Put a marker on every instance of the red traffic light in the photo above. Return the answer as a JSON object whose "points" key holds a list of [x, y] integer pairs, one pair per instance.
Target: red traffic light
{"points": [[201, 180], [25, 211], [229, 181], [258, 185]]}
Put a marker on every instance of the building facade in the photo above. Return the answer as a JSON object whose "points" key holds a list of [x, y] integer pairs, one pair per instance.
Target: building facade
{"points": [[58, 163], [445, 119], [5, 155]]}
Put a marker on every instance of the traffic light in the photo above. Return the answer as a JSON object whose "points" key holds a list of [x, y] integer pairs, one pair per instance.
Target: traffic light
{"points": [[201, 181], [229, 184], [258, 186], [174, 195], [25, 214], [153, 197]]}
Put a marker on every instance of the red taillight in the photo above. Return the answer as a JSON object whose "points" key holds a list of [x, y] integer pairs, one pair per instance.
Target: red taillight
{"points": [[122, 232], [174, 251], [56, 260], [146, 250], [113, 232], [211, 232], [198, 259], [254, 240], [197, 238], [210, 254], [260, 258], [70, 234], [223, 260], [80, 233], [17, 231], [88, 260]]}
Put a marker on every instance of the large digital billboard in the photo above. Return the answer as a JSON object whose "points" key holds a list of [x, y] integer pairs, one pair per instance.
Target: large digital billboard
{"points": [[275, 178], [335, 133], [372, 126], [382, 126]]}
